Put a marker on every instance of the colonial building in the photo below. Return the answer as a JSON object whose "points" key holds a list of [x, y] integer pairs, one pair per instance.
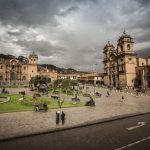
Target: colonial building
{"points": [[92, 78], [122, 67], [70, 76], [17, 70], [52, 74]]}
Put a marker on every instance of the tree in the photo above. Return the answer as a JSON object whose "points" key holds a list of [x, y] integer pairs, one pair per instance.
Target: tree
{"points": [[73, 83], [56, 83], [66, 84], [39, 80]]}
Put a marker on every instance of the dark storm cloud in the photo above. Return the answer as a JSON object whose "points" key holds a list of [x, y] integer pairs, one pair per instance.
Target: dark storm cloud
{"points": [[15, 33], [143, 3], [28, 12], [71, 32], [143, 37], [138, 19], [34, 12], [69, 10], [42, 48]]}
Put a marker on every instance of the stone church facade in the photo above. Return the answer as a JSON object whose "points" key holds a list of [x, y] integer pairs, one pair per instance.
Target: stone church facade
{"points": [[122, 67], [17, 70]]}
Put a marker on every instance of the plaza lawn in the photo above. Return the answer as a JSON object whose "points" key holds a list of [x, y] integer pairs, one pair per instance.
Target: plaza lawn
{"points": [[14, 105]]}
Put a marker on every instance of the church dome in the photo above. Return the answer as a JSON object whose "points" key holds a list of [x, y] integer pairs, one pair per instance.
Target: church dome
{"points": [[33, 55], [125, 35], [109, 44]]}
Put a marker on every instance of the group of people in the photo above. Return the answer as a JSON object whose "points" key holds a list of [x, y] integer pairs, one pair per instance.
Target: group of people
{"points": [[60, 116], [4, 91], [108, 95]]}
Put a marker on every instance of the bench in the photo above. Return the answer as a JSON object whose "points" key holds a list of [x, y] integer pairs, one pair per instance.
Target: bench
{"points": [[4, 91], [75, 99], [22, 93], [40, 107]]}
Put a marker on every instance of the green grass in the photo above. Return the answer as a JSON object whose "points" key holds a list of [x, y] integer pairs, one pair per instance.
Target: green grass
{"points": [[16, 86], [66, 104], [15, 106]]}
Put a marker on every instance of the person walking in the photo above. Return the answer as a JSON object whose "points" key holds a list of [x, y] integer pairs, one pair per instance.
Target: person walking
{"points": [[57, 117], [108, 94], [122, 99], [63, 117]]}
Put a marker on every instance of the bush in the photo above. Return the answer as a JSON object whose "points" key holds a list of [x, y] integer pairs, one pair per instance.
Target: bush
{"points": [[55, 92], [69, 92], [50, 89], [30, 101], [25, 86], [64, 90], [86, 95], [27, 103]]}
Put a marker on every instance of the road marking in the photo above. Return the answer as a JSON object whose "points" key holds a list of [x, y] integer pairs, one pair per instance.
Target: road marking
{"points": [[139, 124], [129, 145]]}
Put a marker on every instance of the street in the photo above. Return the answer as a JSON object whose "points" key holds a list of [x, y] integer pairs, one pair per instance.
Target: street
{"points": [[130, 133]]}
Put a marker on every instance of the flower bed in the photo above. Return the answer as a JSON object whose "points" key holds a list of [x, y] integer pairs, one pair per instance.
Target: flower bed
{"points": [[4, 99]]}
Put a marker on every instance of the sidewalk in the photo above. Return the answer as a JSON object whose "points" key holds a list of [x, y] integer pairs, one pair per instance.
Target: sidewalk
{"points": [[25, 123]]}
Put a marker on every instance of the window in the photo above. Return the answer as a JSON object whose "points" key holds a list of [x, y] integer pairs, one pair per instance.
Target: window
{"points": [[1, 77], [24, 68], [121, 59], [121, 48], [142, 64], [32, 71], [129, 58], [121, 68], [23, 78], [128, 46], [1, 67], [13, 66]]}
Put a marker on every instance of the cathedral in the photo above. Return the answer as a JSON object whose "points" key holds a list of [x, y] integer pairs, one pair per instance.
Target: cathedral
{"points": [[122, 67], [19, 70]]}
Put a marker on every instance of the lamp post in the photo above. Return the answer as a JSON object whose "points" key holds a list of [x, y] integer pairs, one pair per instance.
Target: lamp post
{"points": [[9, 75], [47, 86], [94, 80], [60, 102], [59, 92]]}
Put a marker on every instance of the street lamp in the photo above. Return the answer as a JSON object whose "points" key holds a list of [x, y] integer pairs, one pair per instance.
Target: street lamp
{"points": [[9, 75], [94, 78], [59, 98], [47, 86]]}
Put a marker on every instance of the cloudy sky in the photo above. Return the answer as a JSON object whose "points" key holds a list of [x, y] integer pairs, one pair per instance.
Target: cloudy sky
{"points": [[71, 33]]}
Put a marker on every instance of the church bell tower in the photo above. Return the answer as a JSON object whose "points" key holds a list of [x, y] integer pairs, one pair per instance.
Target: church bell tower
{"points": [[126, 60]]}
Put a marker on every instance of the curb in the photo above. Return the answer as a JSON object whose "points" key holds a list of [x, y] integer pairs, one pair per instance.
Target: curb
{"points": [[89, 123]]}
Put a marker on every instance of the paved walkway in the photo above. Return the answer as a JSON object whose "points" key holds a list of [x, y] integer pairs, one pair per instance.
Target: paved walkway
{"points": [[26, 123]]}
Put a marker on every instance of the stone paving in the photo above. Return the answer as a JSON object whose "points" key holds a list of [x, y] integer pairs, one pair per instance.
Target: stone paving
{"points": [[25, 123]]}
